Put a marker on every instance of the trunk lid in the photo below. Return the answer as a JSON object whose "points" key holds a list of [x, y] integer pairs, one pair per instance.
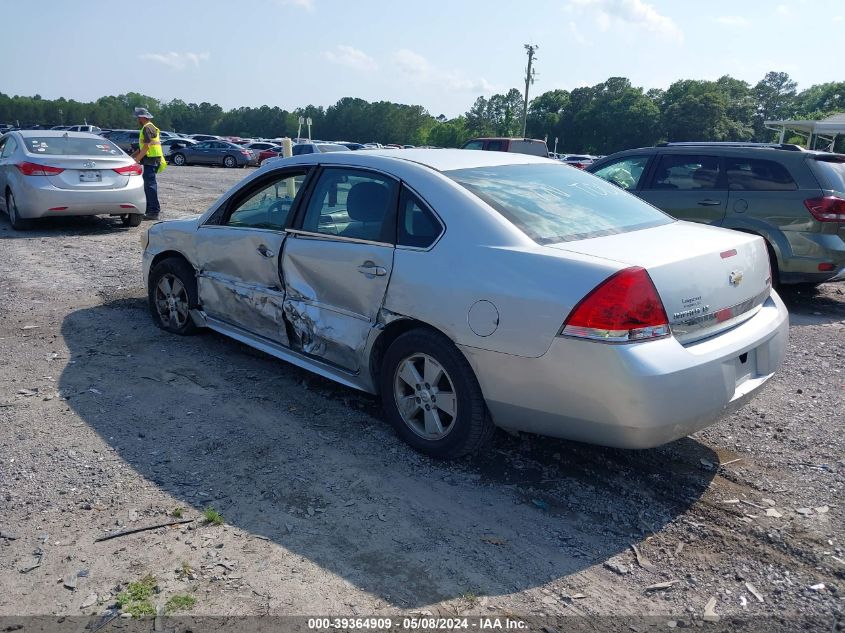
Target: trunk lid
{"points": [[88, 173], [708, 278]]}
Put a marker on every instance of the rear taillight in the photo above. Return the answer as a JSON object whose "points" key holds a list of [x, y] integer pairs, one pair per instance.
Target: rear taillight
{"points": [[33, 169], [130, 170], [246, 152], [827, 209], [625, 307]]}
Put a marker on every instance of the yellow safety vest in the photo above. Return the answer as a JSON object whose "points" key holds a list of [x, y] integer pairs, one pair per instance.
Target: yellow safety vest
{"points": [[154, 149]]}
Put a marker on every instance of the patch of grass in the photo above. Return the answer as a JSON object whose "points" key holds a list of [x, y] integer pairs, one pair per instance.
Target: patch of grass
{"points": [[177, 513], [180, 603], [139, 609], [212, 516], [135, 599], [470, 599], [186, 570]]}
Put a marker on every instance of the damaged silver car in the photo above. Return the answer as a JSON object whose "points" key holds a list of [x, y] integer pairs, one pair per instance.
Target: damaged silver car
{"points": [[479, 289]]}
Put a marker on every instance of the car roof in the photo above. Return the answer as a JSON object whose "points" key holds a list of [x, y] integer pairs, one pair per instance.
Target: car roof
{"points": [[438, 159]]}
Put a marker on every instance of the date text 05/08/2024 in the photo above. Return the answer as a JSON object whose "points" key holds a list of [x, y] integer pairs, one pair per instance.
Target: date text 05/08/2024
{"points": [[415, 624]]}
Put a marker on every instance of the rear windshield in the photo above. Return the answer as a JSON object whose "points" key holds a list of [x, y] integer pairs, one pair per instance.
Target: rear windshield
{"points": [[556, 203], [70, 146], [834, 173]]}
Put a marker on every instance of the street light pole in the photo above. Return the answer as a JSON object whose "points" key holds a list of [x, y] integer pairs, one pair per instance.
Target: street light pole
{"points": [[529, 79]]}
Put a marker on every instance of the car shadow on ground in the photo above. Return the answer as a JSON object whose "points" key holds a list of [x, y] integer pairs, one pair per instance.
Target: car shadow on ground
{"points": [[814, 305], [65, 226], [293, 458]]}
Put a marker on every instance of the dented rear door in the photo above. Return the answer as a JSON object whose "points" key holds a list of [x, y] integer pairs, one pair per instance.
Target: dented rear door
{"points": [[337, 263]]}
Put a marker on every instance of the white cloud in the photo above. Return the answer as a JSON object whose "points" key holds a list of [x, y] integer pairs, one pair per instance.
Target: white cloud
{"points": [[177, 61], [732, 20], [623, 14], [308, 5], [419, 69], [350, 57], [782, 9], [576, 34]]}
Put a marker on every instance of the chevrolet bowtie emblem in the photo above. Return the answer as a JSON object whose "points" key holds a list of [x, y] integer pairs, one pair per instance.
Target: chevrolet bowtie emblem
{"points": [[735, 278]]}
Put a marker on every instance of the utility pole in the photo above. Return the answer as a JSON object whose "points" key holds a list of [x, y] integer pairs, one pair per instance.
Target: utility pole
{"points": [[529, 79]]}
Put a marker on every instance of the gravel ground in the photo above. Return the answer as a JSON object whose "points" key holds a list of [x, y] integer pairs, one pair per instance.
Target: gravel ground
{"points": [[108, 423]]}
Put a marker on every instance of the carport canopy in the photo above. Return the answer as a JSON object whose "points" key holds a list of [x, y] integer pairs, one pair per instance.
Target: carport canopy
{"points": [[826, 129]]}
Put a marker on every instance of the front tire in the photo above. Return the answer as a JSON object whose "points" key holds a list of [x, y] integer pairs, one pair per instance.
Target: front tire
{"points": [[230, 162], [431, 396], [179, 160], [172, 294], [18, 223]]}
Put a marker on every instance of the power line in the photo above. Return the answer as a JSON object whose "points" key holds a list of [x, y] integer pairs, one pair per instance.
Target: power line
{"points": [[529, 79]]}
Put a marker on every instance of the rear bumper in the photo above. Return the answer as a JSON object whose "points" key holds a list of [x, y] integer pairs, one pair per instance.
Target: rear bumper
{"points": [[808, 251], [633, 396], [35, 200]]}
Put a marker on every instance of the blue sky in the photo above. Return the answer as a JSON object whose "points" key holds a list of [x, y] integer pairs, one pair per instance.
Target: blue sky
{"points": [[436, 53]]}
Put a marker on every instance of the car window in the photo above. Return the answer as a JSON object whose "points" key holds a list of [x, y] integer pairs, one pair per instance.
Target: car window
{"points": [[625, 173], [496, 146], [351, 203], [555, 203], [70, 146], [417, 225], [686, 172], [202, 145], [474, 145], [834, 172], [9, 147], [758, 175], [270, 207]]}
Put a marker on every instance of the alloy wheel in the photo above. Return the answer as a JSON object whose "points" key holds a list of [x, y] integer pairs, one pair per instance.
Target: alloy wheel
{"points": [[171, 300], [425, 396]]}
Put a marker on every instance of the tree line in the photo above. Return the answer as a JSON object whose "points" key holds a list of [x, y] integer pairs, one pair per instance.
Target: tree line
{"points": [[600, 119]]}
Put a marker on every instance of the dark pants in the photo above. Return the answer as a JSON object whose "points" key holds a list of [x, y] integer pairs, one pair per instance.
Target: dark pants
{"points": [[151, 189]]}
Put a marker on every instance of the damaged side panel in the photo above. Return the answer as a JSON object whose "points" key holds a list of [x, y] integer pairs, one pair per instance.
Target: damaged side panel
{"points": [[256, 309], [238, 281], [337, 338], [334, 291]]}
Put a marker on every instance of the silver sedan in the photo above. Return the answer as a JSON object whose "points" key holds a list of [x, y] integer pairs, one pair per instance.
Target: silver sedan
{"points": [[479, 289], [45, 173]]}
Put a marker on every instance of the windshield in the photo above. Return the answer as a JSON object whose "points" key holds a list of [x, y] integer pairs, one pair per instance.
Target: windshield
{"points": [[70, 146], [834, 173], [556, 203]]}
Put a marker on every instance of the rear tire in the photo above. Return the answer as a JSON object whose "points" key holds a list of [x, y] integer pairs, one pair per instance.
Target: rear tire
{"points": [[172, 294], [179, 160], [18, 223], [773, 264], [131, 219], [456, 425], [230, 162]]}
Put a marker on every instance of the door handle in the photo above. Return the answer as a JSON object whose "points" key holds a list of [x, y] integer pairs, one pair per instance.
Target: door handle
{"points": [[370, 269], [266, 252], [709, 203]]}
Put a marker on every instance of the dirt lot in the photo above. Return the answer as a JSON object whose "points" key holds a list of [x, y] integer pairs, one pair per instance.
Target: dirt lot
{"points": [[108, 423]]}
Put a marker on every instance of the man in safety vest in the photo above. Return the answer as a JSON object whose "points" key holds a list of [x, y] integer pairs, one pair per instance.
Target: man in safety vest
{"points": [[150, 156]]}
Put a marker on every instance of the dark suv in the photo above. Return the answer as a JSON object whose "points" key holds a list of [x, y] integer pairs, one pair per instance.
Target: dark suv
{"points": [[793, 198], [127, 140]]}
